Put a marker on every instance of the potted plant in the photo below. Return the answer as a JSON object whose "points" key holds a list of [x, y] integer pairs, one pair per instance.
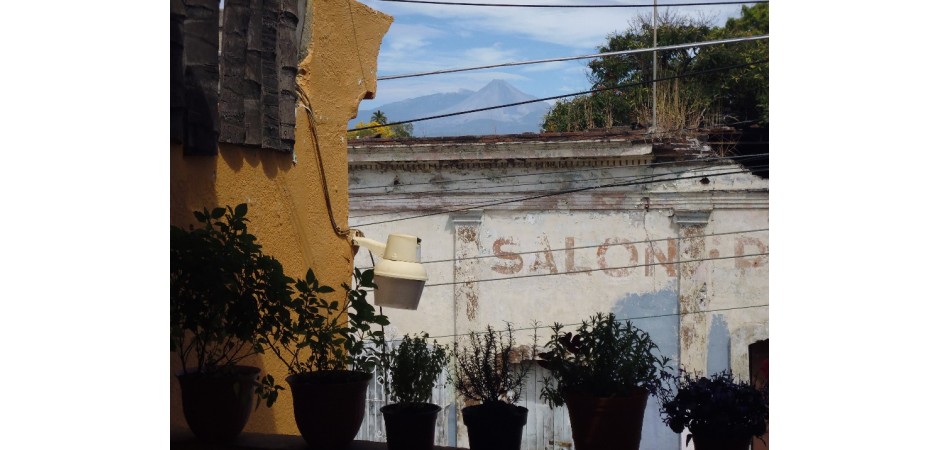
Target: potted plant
{"points": [[329, 349], [720, 413], [409, 373], [484, 374], [604, 373], [223, 290]]}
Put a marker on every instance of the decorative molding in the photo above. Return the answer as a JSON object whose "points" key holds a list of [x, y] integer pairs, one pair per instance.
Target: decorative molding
{"points": [[469, 217], [699, 217]]}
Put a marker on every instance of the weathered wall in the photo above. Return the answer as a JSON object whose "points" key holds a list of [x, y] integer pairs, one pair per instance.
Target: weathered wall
{"points": [[569, 256], [287, 206]]}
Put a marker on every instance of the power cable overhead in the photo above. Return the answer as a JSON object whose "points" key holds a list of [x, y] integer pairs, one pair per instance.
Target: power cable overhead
{"points": [[526, 102], [550, 194], [540, 174], [634, 181], [573, 58], [581, 247], [548, 5]]}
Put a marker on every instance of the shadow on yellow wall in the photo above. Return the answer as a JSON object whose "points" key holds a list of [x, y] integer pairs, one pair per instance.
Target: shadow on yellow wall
{"points": [[287, 205]]}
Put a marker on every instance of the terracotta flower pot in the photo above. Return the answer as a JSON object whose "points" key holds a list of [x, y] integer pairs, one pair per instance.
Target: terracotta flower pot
{"points": [[217, 405], [329, 406], [495, 426], [607, 423], [410, 427]]}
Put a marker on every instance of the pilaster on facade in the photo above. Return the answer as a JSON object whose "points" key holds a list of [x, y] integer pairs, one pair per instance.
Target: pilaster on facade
{"points": [[466, 268], [693, 287], [466, 291]]}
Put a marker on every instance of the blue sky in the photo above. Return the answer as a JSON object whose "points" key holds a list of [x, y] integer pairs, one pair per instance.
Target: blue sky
{"points": [[431, 37]]}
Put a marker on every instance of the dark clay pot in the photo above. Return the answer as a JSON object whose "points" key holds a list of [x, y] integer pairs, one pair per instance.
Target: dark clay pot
{"points": [[720, 441], [217, 405], [329, 406], [495, 426], [607, 423], [410, 427]]}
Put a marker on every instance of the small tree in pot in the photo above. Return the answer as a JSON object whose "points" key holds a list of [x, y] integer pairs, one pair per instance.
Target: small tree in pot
{"points": [[409, 373], [330, 350], [720, 413], [604, 373], [484, 373], [223, 292]]}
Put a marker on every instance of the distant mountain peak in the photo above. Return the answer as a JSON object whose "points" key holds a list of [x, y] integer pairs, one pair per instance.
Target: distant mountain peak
{"points": [[516, 119]]}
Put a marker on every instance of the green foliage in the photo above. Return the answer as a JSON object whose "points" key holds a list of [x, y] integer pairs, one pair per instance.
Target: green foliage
{"points": [[604, 358], [483, 370], [716, 405], [221, 287], [321, 334], [402, 130], [380, 130], [411, 369], [379, 116], [224, 291], [733, 95]]}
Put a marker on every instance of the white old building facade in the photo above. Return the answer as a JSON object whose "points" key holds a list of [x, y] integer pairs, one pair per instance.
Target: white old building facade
{"points": [[539, 229]]}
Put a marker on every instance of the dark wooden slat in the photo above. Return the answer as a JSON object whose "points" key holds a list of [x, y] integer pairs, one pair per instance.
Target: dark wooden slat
{"points": [[201, 59], [287, 62], [234, 88], [270, 117], [177, 75], [253, 113]]}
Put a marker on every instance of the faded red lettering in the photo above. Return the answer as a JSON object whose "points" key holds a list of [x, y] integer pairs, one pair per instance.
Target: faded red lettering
{"points": [[569, 258], [549, 259], [747, 263], [653, 252], [602, 257], [512, 262]]}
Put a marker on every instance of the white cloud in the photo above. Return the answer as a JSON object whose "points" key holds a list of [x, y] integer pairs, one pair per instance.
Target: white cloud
{"points": [[577, 28], [408, 37]]}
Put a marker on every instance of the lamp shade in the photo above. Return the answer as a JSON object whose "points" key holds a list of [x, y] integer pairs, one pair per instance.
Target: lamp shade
{"points": [[400, 276]]}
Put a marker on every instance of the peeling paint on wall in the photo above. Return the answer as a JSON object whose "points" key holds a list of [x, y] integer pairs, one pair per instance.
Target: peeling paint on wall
{"points": [[693, 297]]}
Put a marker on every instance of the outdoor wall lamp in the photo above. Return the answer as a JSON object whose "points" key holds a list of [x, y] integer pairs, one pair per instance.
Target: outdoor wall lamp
{"points": [[400, 276]]}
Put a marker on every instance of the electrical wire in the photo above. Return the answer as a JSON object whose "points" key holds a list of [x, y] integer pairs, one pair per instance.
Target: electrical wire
{"points": [[533, 5], [580, 247], [550, 194], [305, 103], [634, 181], [572, 58], [539, 174], [405, 194], [536, 275], [526, 102], [656, 316]]}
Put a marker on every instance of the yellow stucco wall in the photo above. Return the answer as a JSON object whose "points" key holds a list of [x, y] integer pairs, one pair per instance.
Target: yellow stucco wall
{"points": [[286, 203]]}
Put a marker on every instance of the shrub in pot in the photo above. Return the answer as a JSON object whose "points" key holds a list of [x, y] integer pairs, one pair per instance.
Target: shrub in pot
{"points": [[223, 292], [484, 373], [720, 413], [409, 373], [604, 373], [329, 349]]}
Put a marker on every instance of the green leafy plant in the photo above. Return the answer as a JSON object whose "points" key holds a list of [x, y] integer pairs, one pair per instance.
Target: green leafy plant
{"points": [[717, 405], [224, 293], [320, 334], [411, 368], [483, 369], [605, 357]]}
